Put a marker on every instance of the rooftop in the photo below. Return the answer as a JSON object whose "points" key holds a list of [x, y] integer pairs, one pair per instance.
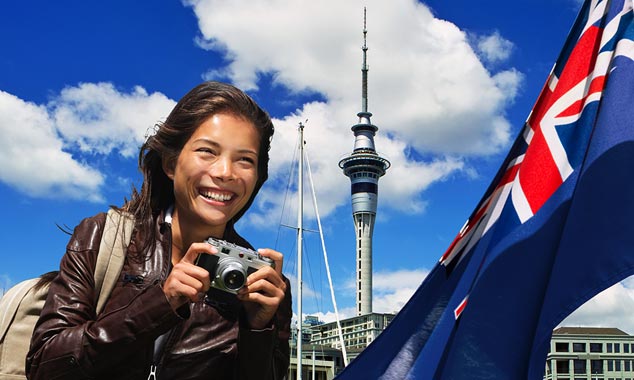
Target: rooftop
{"points": [[589, 331]]}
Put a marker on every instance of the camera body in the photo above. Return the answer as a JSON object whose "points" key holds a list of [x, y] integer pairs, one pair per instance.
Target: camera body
{"points": [[230, 267]]}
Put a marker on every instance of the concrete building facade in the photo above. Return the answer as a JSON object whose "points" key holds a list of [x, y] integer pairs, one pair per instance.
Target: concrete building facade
{"points": [[358, 332], [590, 353]]}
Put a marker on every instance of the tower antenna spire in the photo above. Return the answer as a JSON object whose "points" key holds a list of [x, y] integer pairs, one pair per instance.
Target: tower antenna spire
{"points": [[364, 68]]}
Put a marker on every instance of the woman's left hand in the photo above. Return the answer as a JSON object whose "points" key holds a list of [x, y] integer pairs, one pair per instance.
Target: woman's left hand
{"points": [[263, 291]]}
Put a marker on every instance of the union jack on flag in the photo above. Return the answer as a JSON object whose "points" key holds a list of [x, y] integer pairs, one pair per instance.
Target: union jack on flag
{"points": [[545, 155], [553, 229]]}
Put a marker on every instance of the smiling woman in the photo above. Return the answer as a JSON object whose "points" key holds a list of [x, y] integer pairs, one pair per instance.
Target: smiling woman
{"points": [[202, 170], [214, 176]]}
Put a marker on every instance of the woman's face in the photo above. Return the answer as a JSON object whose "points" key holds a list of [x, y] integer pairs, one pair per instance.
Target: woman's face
{"points": [[215, 174]]}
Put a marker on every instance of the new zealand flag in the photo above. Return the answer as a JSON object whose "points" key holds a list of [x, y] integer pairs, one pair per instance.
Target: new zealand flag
{"points": [[555, 228]]}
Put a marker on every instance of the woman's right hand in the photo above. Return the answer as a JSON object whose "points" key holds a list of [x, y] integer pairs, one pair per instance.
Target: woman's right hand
{"points": [[188, 282]]}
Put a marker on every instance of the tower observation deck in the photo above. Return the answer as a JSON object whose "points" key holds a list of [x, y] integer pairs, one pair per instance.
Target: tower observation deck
{"points": [[364, 166]]}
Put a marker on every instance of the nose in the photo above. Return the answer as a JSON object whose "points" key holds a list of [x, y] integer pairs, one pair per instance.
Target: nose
{"points": [[223, 169]]}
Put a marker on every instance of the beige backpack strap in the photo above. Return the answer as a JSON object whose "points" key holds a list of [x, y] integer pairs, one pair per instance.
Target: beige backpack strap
{"points": [[112, 250], [10, 302], [19, 311]]}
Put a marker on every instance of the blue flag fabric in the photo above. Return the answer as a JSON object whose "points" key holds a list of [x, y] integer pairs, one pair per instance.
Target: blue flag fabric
{"points": [[553, 230]]}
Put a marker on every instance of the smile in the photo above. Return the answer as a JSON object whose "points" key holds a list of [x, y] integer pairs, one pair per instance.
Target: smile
{"points": [[216, 196]]}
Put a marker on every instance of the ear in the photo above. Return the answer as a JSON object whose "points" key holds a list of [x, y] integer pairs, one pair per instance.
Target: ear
{"points": [[168, 167]]}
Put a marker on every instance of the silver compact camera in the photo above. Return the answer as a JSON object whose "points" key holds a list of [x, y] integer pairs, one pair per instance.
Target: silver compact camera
{"points": [[230, 267]]}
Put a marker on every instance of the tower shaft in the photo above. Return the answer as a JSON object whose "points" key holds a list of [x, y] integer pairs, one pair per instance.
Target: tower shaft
{"points": [[364, 222]]}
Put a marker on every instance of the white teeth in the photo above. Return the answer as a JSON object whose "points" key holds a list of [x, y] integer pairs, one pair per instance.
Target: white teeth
{"points": [[216, 196]]}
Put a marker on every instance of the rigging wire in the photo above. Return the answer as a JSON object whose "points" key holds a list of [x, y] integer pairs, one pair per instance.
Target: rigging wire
{"points": [[323, 244], [294, 266], [289, 182]]}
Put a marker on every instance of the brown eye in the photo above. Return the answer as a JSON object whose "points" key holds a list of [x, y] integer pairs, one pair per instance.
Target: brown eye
{"points": [[206, 151]]}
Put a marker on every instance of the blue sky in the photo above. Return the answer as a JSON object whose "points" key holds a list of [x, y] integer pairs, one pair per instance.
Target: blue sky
{"points": [[450, 86]]}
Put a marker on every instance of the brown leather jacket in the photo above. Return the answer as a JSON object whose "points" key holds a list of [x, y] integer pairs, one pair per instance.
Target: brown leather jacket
{"points": [[205, 341]]}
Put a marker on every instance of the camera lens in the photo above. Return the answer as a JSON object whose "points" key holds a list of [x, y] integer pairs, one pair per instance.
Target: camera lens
{"points": [[233, 279], [231, 273]]}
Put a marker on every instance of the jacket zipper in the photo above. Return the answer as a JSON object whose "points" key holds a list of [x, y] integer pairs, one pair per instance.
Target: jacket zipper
{"points": [[157, 357], [160, 342], [152, 375]]}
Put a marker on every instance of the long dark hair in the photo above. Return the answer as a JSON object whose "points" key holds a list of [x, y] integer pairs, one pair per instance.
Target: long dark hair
{"points": [[200, 103]]}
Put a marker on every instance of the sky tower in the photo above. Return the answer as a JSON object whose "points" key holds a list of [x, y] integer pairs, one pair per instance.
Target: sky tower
{"points": [[364, 167]]}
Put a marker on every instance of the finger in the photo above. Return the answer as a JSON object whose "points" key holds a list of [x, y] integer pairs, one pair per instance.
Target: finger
{"points": [[266, 274], [196, 249], [187, 277], [195, 272], [262, 292], [277, 257], [260, 299], [265, 287], [178, 292]]}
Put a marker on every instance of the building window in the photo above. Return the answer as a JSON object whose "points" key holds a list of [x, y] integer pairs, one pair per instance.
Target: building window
{"points": [[579, 347], [617, 365], [563, 366], [626, 348], [610, 365], [596, 366], [608, 347], [628, 365], [596, 347], [580, 366], [561, 347]]}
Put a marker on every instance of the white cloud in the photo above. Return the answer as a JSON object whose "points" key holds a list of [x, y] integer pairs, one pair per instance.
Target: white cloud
{"points": [[330, 316], [36, 152], [98, 118], [325, 142], [509, 81], [426, 83], [392, 290], [32, 159], [610, 308], [494, 48], [428, 90], [405, 196]]}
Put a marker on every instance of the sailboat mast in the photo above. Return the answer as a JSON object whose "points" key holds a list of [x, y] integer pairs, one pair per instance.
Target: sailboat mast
{"points": [[300, 230]]}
